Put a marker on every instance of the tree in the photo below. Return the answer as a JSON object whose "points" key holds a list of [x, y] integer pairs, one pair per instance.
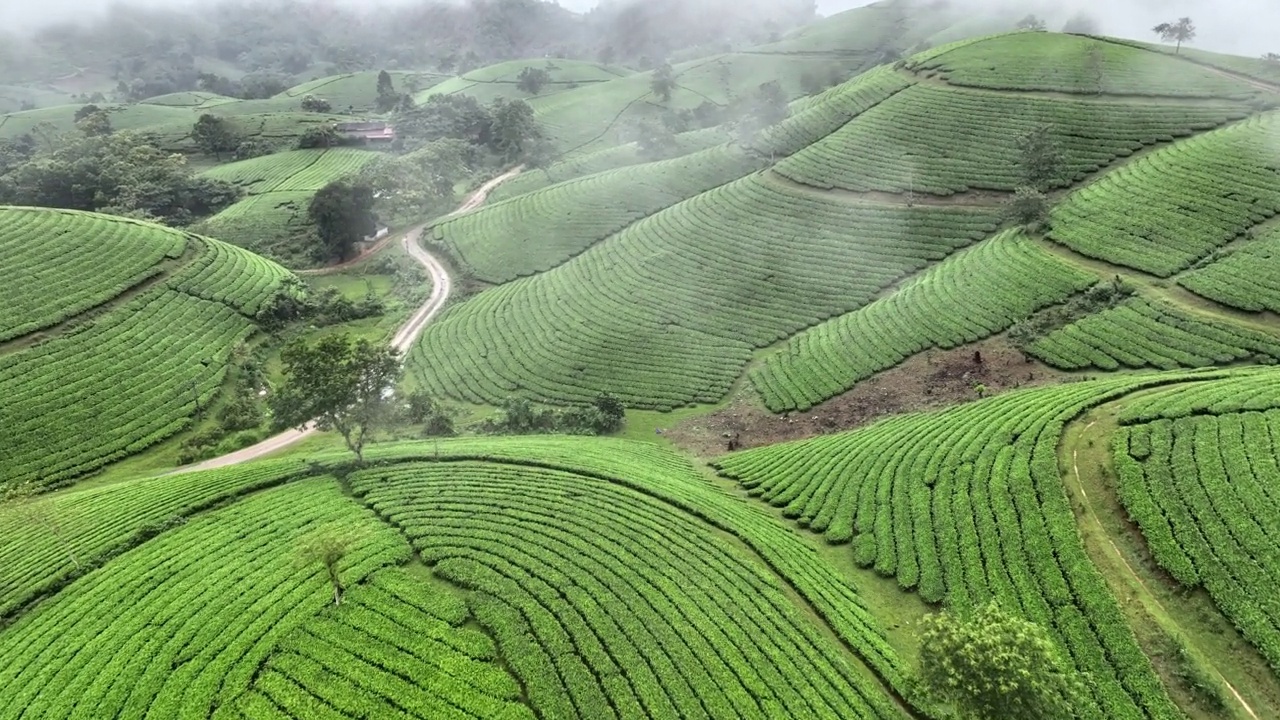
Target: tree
{"points": [[328, 545], [321, 136], [515, 133], [214, 136], [656, 141], [531, 80], [1040, 159], [1271, 57], [1031, 22], [1029, 207], [1182, 31], [85, 112], [994, 666], [95, 124], [1082, 23], [343, 214], [339, 385], [311, 103], [388, 98], [664, 82]]}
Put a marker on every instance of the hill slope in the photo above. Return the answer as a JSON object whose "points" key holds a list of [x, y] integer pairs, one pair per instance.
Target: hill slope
{"points": [[123, 329]]}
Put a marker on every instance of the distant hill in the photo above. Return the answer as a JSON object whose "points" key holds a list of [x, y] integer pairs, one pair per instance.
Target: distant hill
{"points": [[117, 331]]}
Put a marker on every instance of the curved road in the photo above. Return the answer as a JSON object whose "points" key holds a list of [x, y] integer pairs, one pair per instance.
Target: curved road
{"points": [[441, 285]]}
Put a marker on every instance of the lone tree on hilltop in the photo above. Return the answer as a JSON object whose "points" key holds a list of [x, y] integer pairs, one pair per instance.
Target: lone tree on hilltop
{"points": [[1031, 22], [531, 80], [993, 666], [664, 82], [343, 214], [338, 384], [214, 136], [1271, 57], [1183, 31]]}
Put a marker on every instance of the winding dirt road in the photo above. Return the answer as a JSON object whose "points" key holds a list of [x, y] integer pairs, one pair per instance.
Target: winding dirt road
{"points": [[441, 286]]}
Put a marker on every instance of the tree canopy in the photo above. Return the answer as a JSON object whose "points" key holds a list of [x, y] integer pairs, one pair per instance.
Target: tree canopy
{"points": [[1182, 31], [343, 214], [338, 384]]}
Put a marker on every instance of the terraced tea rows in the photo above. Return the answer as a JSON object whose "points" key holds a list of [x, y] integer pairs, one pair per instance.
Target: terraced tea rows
{"points": [[1072, 64], [537, 231], [52, 538], [1206, 493], [973, 294], [1141, 333], [392, 649], [1247, 278], [179, 626], [828, 112], [666, 312], [231, 275], [50, 279], [968, 505], [1246, 390], [291, 171], [1165, 211], [543, 551], [910, 141]]}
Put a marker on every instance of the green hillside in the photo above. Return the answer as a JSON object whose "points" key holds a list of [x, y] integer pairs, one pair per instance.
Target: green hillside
{"points": [[499, 81], [278, 191], [134, 333]]}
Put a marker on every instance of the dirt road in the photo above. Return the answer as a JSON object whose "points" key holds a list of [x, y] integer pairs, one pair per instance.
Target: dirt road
{"points": [[441, 285]]}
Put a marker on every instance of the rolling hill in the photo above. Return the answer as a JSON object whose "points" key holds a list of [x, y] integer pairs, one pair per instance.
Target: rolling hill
{"points": [[119, 332]]}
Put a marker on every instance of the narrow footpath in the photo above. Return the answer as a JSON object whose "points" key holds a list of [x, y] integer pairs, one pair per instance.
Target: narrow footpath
{"points": [[441, 286]]}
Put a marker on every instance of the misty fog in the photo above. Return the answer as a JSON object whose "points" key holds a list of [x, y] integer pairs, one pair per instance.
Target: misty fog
{"points": [[1236, 26]]}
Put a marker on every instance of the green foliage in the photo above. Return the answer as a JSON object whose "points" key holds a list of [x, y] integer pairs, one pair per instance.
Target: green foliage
{"points": [[969, 296], [1166, 210], [343, 215], [518, 416], [322, 136], [1030, 22], [1247, 277], [1201, 489], [967, 506], [1029, 208], [337, 384], [1102, 296], [121, 173], [667, 311], [214, 136], [388, 98], [663, 82], [993, 665], [435, 417], [311, 103], [1040, 159], [515, 133], [531, 80], [1182, 31]]}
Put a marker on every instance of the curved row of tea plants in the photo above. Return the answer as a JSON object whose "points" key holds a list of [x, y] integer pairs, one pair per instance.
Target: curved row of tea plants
{"points": [[112, 388], [51, 538], [539, 230], [1247, 277], [1143, 333], [1256, 389], [229, 274], [291, 171], [59, 263], [975, 293], [392, 649], [179, 626], [1205, 490], [1163, 212], [666, 312], [606, 603], [1073, 64], [828, 112], [967, 505], [941, 140]]}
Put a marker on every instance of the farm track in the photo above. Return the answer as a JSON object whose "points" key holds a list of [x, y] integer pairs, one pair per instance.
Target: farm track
{"points": [[441, 286], [1089, 514]]}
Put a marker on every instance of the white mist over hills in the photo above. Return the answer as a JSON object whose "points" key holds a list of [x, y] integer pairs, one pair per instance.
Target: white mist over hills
{"points": [[1244, 27]]}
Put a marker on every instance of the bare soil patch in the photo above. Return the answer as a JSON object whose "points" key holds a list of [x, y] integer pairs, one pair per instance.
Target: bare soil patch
{"points": [[930, 380]]}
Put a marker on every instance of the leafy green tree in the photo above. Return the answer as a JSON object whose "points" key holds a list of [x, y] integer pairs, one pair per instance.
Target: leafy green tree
{"points": [[339, 385], [1029, 207], [1273, 58], [95, 124], [435, 417], [214, 135], [388, 98], [1031, 22], [328, 545], [515, 132], [1182, 31], [85, 112], [663, 82], [409, 188], [994, 666], [321, 136], [1040, 159], [343, 214], [531, 80], [311, 103]]}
